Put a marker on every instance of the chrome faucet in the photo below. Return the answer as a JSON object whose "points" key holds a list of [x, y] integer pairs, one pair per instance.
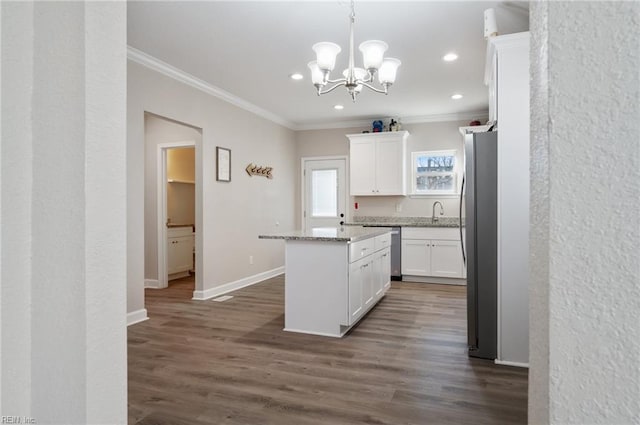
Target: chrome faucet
{"points": [[433, 210]]}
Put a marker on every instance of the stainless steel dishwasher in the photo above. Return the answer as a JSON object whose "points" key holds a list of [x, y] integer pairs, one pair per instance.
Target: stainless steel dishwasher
{"points": [[396, 262]]}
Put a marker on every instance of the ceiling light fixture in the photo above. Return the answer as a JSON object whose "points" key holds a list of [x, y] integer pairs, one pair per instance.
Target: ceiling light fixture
{"points": [[354, 78], [338, 107], [296, 76], [450, 57], [456, 96]]}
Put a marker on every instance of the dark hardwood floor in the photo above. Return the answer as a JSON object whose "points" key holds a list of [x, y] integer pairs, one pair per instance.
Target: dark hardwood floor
{"points": [[205, 362]]}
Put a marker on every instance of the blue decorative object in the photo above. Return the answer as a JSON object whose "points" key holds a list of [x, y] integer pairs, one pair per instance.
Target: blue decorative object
{"points": [[377, 126]]}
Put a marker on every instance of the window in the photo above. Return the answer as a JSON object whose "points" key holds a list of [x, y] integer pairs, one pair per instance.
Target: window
{"points": [[433, 172], [324, 193]]}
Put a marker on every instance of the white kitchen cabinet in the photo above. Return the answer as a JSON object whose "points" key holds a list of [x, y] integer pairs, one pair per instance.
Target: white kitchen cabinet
{"points": [[179, 250], [377, 163], [416, 257], [369, 274], [356, 272], [381, 272], [446, 258], [432, 252]]}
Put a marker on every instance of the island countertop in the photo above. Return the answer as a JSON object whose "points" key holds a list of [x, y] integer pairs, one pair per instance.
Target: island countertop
{"points": [[330, 234]]}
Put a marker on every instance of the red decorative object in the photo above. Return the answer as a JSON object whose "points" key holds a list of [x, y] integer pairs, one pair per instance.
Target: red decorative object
{"points": [[475, 122]]}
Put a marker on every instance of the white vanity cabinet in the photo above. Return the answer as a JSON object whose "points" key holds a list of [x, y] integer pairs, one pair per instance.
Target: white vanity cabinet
{"points": [[377, 163], [432, 251], [179, 250]]}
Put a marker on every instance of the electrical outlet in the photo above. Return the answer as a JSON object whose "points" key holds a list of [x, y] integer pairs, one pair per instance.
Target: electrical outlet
{"points": [[398, 207], [251, 260], [277, 223]]}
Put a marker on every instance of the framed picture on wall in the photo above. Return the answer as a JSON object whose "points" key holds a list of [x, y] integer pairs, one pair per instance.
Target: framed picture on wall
{"points": [[434, 172], [223, 164]]}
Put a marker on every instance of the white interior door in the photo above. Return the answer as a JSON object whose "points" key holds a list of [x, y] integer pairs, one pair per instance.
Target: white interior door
{"points": [[325, 193]]}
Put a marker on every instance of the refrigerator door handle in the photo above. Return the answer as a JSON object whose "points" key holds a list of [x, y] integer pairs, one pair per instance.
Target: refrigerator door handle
{"points": [[464, 257]]}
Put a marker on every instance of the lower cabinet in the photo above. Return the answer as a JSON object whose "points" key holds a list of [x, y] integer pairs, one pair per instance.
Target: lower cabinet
{"points": [[369, 275], [433, 252], [179, 250]]}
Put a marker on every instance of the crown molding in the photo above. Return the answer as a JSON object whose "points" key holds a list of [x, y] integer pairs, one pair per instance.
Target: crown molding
{"points": [[170, 71], [164, 68], [419, 119], [455, 116]]}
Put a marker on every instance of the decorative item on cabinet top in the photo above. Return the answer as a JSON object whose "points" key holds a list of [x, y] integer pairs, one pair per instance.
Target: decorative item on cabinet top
{"points": [[254, 170]]}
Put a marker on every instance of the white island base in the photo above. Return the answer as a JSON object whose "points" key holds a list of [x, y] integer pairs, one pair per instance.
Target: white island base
{"points": [[331, 283]]}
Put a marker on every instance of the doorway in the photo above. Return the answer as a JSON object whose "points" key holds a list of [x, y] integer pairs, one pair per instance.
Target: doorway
{"points": [[324, 191], [176, 211], [181, 213]]}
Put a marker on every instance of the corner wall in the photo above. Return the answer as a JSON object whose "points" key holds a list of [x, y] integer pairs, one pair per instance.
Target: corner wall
{"points": [[234, 213], [585, 203]]}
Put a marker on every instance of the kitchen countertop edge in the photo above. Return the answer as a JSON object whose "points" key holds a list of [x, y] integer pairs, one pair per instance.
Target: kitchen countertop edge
{"points": [[366, 232]]}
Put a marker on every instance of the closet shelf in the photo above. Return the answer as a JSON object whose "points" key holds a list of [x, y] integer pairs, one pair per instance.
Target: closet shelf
{"points": [[180, 181]]}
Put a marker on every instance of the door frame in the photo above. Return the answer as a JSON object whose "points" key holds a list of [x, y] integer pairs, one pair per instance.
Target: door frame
{"points": [[161, 207], [303, 161]]}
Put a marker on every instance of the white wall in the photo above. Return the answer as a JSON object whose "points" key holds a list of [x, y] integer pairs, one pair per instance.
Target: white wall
{"points": [[63, 267], [233, 213], [585, 200], [423, 136]]}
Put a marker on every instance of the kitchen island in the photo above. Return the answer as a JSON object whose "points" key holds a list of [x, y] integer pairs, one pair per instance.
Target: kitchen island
{"points": [[333, 276]]}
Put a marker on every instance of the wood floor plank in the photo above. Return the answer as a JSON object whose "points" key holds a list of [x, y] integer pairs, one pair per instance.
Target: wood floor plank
{"points": [[204, 362]]}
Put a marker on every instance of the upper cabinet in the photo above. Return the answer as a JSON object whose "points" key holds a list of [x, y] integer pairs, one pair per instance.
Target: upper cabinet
{"points": [[377, 163]]}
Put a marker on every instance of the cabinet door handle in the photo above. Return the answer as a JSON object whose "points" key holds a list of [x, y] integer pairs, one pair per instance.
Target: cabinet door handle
{"points": [[365, 265], [384, 255]]}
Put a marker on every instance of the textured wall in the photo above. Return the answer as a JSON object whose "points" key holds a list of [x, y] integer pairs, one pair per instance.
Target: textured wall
{"points": [[585, 200], [64, 206]]}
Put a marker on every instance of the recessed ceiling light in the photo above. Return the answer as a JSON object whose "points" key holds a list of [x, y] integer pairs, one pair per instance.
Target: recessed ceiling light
{"points": [[450, 57], [456, 96], [296, 76], [338, 107]]}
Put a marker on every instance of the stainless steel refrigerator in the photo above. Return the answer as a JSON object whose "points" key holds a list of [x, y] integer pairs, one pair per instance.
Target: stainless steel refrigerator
{"points": [[478, 234]]}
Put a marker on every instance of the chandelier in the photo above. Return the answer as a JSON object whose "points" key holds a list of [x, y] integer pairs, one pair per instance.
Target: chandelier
{"points": [[353, 78]]}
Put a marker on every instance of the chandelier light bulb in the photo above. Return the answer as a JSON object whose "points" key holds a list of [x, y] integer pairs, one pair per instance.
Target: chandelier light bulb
{"points": [[373, 53], [326, 53], [317, 77], [359, 74], [388, 70]]}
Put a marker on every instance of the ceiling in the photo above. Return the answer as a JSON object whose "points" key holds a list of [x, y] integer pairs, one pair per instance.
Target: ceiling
{"points": [[249, 49]]}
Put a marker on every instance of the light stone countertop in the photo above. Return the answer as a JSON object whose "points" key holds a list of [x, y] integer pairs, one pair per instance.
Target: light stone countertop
{"points": [[388, 221], [330, 234]]}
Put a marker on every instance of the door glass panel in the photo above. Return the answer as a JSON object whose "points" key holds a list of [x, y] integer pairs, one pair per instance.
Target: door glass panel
{"points": [[324, 189]]}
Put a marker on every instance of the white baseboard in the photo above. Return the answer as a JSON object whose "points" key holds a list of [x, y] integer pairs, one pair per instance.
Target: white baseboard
{"points": [[433, 279], [137, 316], [151, 283], [233, 286], [508, 363]]}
